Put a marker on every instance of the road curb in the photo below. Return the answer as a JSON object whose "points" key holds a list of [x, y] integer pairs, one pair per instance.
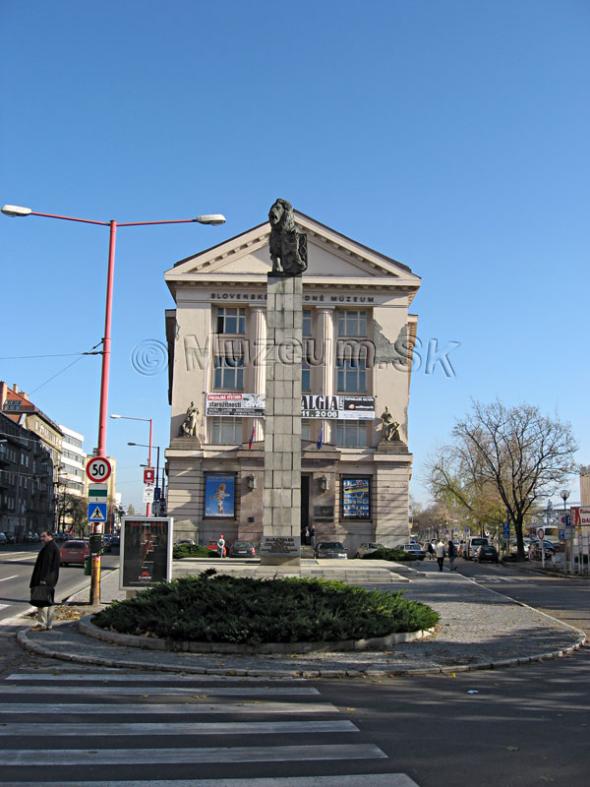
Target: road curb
{"points": [[89, 629], [38, 649]]}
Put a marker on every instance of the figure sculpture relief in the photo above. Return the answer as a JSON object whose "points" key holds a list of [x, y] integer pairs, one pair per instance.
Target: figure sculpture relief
{"points": [[288, 248], [389, 427], [189, 425]]}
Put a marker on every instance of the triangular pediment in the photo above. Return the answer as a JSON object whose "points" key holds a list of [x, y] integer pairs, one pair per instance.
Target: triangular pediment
{"points": [[331, 257]]}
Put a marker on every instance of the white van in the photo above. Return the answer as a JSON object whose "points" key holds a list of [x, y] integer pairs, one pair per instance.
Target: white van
{"points": [[474, 543]]}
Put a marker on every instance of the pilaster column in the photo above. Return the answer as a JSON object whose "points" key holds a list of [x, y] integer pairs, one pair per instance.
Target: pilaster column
{"points": [[326, 337], [260, 336]]}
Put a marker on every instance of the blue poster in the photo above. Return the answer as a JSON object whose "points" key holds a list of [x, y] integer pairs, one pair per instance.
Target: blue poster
{"points": [[220, 496], [356, 498]]}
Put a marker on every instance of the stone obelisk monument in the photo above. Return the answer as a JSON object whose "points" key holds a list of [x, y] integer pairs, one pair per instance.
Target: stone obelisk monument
{"points": [[281, 519]]}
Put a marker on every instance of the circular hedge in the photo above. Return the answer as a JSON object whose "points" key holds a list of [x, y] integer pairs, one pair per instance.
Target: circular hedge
{"points": [[219, 608]]}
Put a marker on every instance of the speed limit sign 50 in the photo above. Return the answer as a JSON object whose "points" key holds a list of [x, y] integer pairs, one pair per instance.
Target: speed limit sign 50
{"points": [[98, 469]]}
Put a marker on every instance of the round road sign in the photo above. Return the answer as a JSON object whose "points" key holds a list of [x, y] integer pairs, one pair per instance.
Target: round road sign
{"points": [[98, 469], [540, 533]]}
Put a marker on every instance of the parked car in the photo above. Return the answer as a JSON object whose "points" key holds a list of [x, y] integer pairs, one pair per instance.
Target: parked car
{"points": [[11, 538], [487, 553], [3, 539], [242, 549], [474, 543], [74, 551], [189, 542], [415, 550], [331, 549], [366, 549], [535, 549]]}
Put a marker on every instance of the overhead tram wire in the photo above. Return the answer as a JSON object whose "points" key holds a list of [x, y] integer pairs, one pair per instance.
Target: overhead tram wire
{"points": [[79, 356]]}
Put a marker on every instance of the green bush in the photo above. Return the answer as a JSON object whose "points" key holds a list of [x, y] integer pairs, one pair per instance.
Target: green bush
{"points": [[219, 608], [389, 554], [186, 550]]}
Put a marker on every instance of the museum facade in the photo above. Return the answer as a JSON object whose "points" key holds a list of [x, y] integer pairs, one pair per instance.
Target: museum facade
{"points": [[355, 357]]}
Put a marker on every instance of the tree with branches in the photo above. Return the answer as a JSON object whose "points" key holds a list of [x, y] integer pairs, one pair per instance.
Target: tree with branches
{"points": [[502, 461]]}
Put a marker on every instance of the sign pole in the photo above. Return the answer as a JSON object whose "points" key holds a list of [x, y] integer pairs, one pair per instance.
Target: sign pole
{"points": [[98, 471], [541, 537]]}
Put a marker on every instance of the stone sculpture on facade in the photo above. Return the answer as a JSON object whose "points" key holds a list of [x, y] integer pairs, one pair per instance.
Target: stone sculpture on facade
{"points": [[389, 427], [188, 427], [288, 248]]}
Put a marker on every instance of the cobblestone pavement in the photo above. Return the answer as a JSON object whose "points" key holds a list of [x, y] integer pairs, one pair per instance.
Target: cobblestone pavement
{"points": [[478, 628]]}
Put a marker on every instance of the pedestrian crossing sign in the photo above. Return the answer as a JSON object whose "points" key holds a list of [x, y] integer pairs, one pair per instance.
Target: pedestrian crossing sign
{"points": [[97, 512]]}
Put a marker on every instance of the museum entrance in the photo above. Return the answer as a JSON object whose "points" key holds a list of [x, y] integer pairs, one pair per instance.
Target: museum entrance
{"points": [[305, 482]]}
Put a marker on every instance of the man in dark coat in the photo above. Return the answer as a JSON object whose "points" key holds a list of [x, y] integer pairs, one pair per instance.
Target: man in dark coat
{"points": [[45, 575]]}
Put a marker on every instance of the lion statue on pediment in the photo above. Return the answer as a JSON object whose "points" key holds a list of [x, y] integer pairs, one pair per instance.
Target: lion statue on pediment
{"points": [[288, 248]]}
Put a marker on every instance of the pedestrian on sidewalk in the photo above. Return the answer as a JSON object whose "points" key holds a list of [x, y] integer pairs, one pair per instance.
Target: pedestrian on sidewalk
{"points": [[440, 554], [43, 581], [452, 553], [430, 550], [221, 546]]}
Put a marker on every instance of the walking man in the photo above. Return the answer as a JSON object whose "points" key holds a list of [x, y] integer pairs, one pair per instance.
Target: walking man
{"points": [[452, 553], [44, 580], [440, 554]]}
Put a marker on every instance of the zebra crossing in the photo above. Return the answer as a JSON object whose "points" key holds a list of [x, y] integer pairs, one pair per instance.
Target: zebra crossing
{"points": [[111, 728]]}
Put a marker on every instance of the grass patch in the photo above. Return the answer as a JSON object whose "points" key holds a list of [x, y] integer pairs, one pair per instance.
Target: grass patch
{"points": [[398, 555], [219, 608]]}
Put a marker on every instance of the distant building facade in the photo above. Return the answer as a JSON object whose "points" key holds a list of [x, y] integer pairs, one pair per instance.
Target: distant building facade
{"points": [[27, 502], [73, 462], [358, 336]]}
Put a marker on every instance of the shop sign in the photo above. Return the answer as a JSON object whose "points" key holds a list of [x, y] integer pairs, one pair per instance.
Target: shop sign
{"points": [[246, 405], [280, 546], [146, 551], [251, 405], [348, 408], [323, 512]]}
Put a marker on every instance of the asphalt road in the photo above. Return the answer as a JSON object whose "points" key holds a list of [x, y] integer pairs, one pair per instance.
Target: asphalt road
{"points": [[16, 566], [517, 727]]}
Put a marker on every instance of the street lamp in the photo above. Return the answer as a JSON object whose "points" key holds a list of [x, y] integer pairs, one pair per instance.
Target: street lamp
{"points": [[157, 447], [148, 506]]}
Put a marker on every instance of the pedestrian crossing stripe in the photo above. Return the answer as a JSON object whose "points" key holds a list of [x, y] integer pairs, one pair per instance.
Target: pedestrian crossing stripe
{"points": [[276, 700]]}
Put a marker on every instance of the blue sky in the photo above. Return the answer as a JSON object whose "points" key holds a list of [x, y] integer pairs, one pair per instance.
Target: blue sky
{"points": [[451, 135]]}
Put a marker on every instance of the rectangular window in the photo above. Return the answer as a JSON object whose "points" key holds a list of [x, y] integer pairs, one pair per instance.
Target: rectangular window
{"points": [[352, 323], [220, 496], [307, 323], [231, 320], [352, 375], [351, 434], [229, 373], [305, 377], [306, 429], [355, 497], [225, 431]]}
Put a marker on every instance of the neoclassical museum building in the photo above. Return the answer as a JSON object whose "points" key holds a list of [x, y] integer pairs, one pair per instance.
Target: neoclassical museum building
{"points": [[356, 354]]}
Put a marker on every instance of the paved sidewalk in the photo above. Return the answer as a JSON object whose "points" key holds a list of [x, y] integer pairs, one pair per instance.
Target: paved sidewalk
{"points": [[479, 629]]}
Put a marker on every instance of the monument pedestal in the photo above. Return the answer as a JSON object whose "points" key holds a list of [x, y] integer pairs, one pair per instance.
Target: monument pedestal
{"points": [[281, 519]]}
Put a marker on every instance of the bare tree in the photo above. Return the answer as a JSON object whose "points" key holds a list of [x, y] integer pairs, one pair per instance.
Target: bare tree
{"points": [[518, 453], [456, 479]]}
